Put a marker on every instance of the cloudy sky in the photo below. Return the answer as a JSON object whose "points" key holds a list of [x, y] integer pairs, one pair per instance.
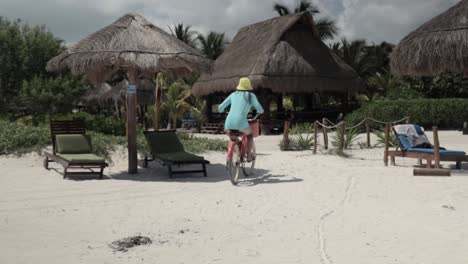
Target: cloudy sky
{"points": [[374, 20]]}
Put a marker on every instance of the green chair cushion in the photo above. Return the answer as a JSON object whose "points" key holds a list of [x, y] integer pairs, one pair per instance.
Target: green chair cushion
{"points": [[178, 156], [82, 158], [73, 144], [163, 142]]}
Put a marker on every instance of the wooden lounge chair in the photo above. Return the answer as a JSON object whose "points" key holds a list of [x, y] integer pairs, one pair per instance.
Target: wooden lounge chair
{"points": [[435, 154], [71, 148], [166, 148]]}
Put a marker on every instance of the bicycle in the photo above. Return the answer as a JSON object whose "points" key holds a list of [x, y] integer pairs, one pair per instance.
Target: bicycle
{"points": [[237, 153]]}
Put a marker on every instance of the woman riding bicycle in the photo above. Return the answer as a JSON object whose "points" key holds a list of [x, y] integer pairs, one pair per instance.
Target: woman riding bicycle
{"points": [[241, 102]]}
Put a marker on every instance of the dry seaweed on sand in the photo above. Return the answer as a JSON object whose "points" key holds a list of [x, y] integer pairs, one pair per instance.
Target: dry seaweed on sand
{"points": [[124, 244]]}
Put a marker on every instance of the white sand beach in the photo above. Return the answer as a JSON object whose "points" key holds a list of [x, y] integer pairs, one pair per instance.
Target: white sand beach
{"points": [[299, 208]]}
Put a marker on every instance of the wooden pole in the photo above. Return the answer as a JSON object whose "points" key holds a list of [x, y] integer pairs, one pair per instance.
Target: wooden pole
{"points": [[436, 147], [315, 136], [387, 143], [132, 123], [286, 134], [325, 133], [368, 133], [342, 136], [157, 106]]}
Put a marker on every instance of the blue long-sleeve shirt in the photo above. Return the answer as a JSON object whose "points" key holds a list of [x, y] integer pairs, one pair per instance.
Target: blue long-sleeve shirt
{"points": [[240, 107]]}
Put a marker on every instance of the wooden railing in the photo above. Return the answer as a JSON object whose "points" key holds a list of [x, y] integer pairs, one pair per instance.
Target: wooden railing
{"points": [[327, 125]]}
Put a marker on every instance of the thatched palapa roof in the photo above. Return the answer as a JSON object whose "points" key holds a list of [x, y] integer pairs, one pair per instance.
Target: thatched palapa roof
{"points": [[283, 54], [437, 46], [131, 41]]}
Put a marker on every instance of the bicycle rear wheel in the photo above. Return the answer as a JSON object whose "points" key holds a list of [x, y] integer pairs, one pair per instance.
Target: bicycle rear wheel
{"points": [[248, 168], [234, 165]]}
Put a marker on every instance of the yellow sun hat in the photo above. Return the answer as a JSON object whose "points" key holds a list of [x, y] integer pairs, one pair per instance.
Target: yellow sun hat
{"points": [[244, 84]]}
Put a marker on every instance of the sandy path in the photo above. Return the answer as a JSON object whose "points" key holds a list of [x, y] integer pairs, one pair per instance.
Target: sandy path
{"points": [[300, 209]]}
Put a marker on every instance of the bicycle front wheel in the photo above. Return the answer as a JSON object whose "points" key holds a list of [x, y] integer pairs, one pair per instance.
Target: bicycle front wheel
{"points": [[248, 168], [234, 165]]}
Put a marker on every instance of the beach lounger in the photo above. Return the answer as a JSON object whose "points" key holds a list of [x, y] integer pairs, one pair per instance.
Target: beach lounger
{"points": [[71, 148], [166, 148], [411, 137]]}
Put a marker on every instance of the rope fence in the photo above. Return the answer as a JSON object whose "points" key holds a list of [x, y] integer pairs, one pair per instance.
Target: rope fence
{"points": [[327, 125]]}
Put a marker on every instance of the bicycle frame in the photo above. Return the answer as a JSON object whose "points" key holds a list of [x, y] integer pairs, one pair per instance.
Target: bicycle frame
{"points": [[242, 147]]}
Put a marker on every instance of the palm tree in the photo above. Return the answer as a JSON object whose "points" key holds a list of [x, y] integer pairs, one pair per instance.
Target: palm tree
{"points": [[184, 33], [198, 109], [326, 27], [175, 101], [379, 85], [381, 54], [212, 45], [356, 55]]}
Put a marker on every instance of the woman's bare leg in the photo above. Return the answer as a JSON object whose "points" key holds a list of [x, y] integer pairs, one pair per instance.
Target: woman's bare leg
{"points": [[248, 134]]}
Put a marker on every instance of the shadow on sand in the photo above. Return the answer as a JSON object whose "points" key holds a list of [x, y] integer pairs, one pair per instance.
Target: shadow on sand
{"points": [[216, 173], [157, 173]]}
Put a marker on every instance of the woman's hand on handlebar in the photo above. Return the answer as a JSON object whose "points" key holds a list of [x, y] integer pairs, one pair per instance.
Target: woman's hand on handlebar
{"points": [[256, 116]]}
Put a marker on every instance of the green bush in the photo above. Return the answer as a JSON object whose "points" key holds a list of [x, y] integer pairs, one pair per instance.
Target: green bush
{"points": [[101, 124], [445, 113], [19, 139], [381, 138], [351, 135], [301, 137], [199, 145]]}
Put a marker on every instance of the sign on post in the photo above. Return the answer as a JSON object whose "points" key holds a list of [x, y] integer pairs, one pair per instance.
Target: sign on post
{"points": [[131, 89]]}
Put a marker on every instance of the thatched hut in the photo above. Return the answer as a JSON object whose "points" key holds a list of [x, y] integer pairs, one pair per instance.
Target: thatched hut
{"points": [[130, 42], [137, 47], [437, 46], [283, 55]]}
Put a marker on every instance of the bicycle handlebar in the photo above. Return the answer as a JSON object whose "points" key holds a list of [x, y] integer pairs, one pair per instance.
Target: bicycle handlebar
{"points": [[256, 116]]}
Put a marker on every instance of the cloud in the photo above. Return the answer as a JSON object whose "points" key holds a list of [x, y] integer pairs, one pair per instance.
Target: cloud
{"points": [[375, 20], [385, 20]]}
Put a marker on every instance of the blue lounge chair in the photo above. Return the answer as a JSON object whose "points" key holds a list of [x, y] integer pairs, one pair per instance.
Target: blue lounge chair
{"points": [[407, 147]]}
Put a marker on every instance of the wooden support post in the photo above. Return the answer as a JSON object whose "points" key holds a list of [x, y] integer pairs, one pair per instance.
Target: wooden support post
{"points": [[208, 109], [315, 136], [157, 105], [265, 99], [342, 136], [325, 133], [436, 147], [428, 164], [286, 134], [368, 133], [387, 143], [132, 123], [408, 120]]}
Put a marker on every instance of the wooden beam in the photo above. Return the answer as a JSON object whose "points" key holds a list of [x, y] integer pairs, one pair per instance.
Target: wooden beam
{"points": [[431, 172]]}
